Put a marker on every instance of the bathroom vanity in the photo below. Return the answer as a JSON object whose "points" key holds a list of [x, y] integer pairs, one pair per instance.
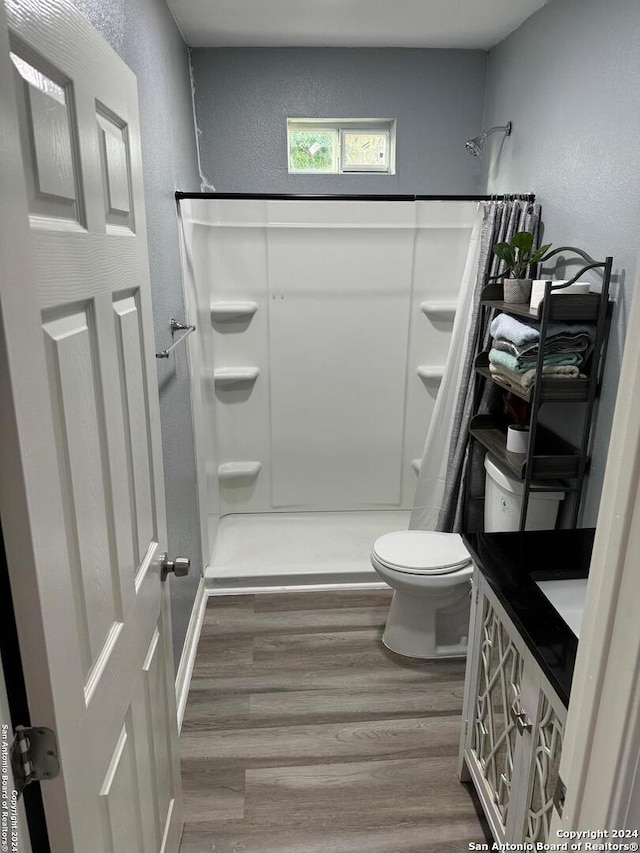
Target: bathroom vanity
{"points": [[520, 665]]}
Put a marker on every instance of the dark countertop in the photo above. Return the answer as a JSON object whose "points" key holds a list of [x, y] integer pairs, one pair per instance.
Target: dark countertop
{"points": [[511, 563]]}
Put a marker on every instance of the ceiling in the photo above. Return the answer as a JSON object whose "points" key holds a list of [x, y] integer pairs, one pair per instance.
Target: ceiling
{"points": [[350, 23]]}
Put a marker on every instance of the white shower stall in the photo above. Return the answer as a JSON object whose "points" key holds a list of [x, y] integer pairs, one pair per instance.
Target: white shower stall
{"points": [[323, 327]]}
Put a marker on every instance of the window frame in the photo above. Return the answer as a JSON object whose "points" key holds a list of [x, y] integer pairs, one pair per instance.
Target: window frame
{"points": [[377, 126]]}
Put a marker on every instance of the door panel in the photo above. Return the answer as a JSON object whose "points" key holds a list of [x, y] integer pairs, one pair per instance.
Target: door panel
{"points": [[136, 422], [84, 489], [48, 137], [116, 168], [71, 359], [122, 816], [156, 705]]}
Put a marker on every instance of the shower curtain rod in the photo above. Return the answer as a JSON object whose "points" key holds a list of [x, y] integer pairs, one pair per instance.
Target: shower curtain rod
{"points": [[356, 197]]}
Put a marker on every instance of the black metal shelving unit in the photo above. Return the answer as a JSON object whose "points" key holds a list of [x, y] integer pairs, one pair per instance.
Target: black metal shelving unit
{"points": [[549, 457]]}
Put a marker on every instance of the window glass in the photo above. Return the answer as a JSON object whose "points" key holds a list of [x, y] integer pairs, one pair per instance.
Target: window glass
{"points": [[313, 150], [362, 150]]}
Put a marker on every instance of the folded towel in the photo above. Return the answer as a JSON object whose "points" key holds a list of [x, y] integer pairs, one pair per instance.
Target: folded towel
{"points": [[556, 344], [521, 365], [506, 327], [524, 381], [555, 328], [519, 332]]}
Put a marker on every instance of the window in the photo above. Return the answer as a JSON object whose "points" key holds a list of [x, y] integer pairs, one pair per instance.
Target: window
{"points": [[338, 146]]}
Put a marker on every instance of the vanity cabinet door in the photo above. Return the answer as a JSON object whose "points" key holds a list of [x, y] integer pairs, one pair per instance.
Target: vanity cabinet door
{"points": [[544, 762], [494, 749], [513, 726]]}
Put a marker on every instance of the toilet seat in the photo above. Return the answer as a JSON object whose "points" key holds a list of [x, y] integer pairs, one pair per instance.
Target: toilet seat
{"points": [[421, 552]]}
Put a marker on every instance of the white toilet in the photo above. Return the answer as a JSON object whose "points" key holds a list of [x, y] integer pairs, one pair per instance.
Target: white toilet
{"points": [[430, 574]]}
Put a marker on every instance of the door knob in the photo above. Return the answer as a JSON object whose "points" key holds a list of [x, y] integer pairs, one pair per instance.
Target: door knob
{"points": [[180, 566]]}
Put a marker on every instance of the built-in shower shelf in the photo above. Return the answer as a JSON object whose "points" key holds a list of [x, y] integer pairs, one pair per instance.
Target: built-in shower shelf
{"points": [[432, 373], [233, 470], [416, 464], [224, 376], [440, 310], [225, 311]]}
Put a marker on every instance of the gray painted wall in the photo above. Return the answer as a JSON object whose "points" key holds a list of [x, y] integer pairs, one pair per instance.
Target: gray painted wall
{"points": [[569, 79], [244, 96], [145, 35]]}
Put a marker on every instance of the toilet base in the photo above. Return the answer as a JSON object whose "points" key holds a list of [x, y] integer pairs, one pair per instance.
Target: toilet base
{"points": [[417, 628]]}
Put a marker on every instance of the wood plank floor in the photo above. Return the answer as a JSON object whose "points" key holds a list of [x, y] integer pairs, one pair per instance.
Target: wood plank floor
{"points": [[303, 734]]}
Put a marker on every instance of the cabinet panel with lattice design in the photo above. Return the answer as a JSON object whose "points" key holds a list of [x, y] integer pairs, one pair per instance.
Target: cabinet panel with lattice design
{"points": [[513, 725], [494, 734], [547, 734]]}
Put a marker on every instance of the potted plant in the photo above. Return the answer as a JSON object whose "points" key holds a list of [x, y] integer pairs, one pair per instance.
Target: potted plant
{"points": [[518, 257]]}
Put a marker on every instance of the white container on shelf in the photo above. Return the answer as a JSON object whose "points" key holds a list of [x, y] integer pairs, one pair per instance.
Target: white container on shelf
{"points": [[503, 501], [518, 439], [538, 288]]}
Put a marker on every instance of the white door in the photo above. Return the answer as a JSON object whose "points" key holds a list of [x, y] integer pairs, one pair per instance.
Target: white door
{"points": [[81, 493]]}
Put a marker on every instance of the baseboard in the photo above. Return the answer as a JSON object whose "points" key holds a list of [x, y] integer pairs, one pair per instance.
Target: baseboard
{"points": [[317, 587], [187, 659], [227, 579]]}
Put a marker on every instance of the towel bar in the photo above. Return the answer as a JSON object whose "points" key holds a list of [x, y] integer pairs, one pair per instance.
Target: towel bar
{"points": [[176, 327]]}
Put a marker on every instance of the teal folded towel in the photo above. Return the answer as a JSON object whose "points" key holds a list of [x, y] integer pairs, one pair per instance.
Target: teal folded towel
{"points": [[522, 365]]}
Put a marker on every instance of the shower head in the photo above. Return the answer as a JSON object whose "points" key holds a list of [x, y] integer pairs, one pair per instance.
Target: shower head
{"points": [[474, 146]]}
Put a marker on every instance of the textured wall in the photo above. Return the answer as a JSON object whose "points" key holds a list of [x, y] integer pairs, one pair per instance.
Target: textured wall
{"points": [[244, 95], [569, 79], [145, 35]]}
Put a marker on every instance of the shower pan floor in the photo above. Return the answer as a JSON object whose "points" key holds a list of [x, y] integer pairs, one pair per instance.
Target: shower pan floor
{"points": [[298, 549]]}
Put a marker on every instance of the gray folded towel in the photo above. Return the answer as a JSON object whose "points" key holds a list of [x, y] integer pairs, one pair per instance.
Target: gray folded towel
{"points": [[557, 344]]}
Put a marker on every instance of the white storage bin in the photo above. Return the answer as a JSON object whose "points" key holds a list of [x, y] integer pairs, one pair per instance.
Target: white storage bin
{"points": [[503, 501]]}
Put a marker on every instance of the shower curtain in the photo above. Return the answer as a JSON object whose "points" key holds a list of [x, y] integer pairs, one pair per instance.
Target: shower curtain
{"points": [[438, 501]]}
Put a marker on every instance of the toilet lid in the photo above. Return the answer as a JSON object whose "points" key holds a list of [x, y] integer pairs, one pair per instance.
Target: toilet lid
{"points": [[422, 552]]}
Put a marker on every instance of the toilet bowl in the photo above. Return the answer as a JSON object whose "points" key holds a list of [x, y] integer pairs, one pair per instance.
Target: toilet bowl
{"points": [[430, 574]]}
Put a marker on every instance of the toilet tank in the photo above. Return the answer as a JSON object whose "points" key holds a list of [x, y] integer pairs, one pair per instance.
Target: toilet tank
{"points": [[503, 501]]}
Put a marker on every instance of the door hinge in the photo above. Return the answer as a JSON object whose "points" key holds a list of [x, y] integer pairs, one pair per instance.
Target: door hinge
{"points": [[34, 756], [559, 796]]}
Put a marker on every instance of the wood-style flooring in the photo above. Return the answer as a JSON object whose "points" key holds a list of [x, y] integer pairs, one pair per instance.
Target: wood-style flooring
{"points": [[303, 734]]}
